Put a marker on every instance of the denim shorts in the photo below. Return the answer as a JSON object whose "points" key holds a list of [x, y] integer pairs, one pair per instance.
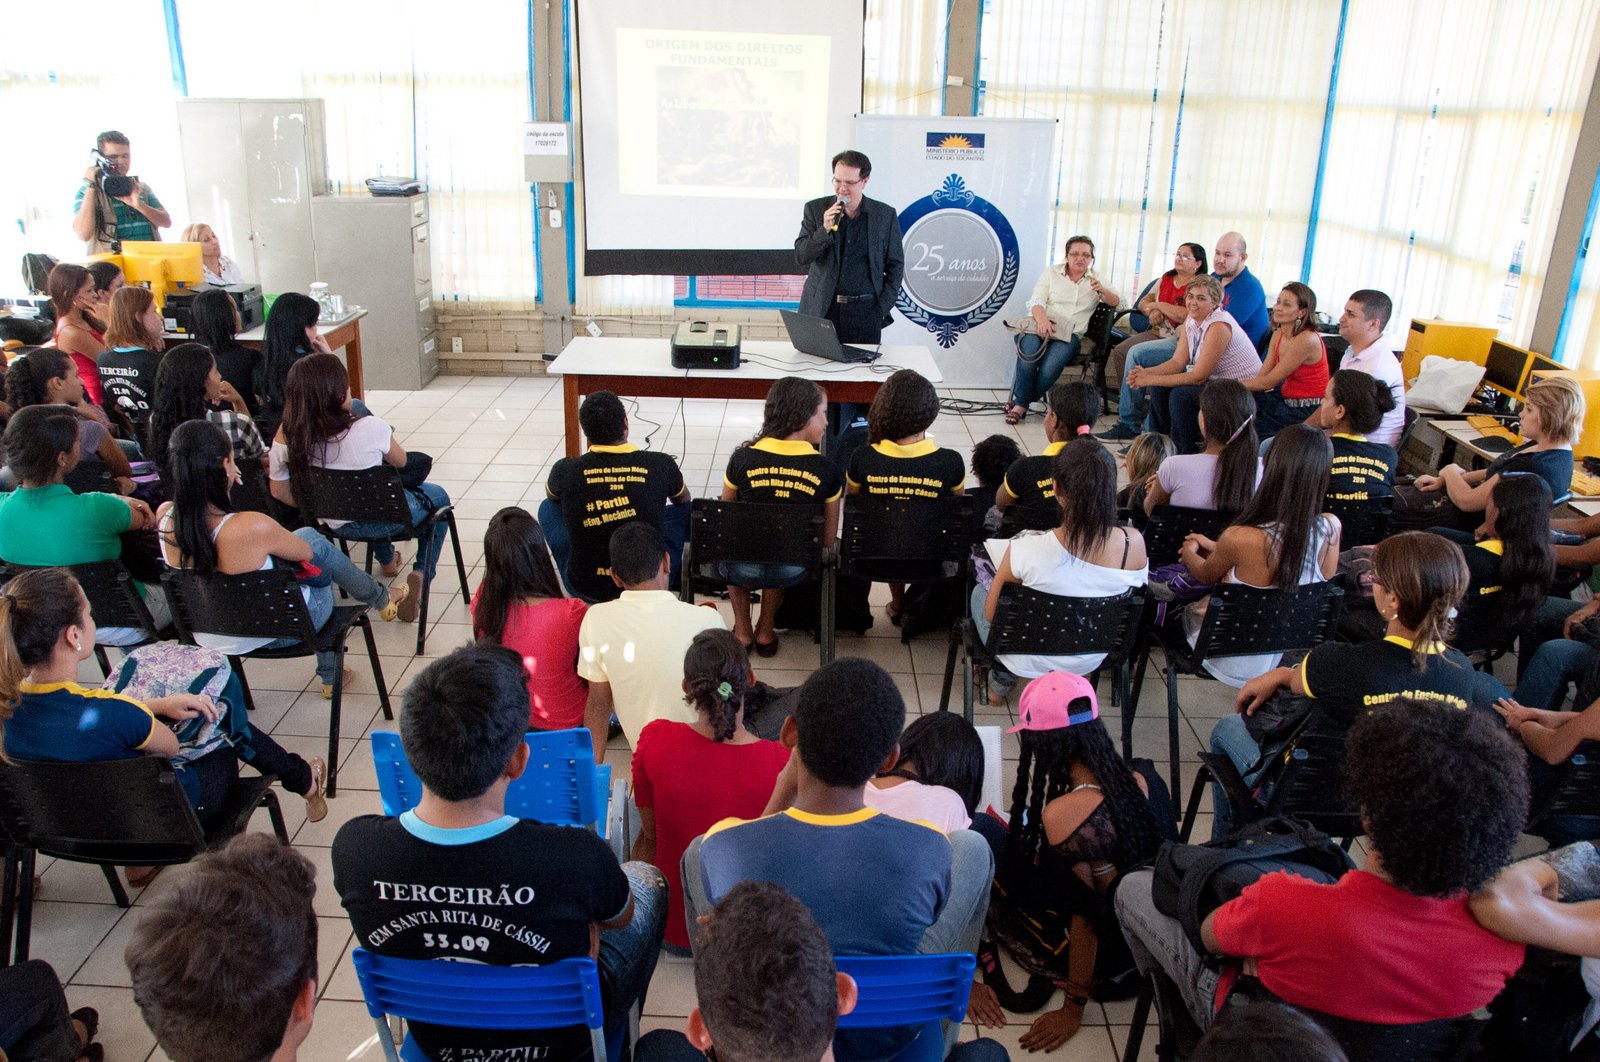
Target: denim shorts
{"points": [[762, 576]]}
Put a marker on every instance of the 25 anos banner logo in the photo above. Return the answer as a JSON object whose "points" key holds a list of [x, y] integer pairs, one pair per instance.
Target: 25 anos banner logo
{"points": [[961, 261]]}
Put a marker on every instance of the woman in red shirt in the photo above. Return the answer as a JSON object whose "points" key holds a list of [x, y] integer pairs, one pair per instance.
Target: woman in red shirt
{"points": [[1163, 306], [687, 777], [1294, 374], [521, 606], [78, 331]]}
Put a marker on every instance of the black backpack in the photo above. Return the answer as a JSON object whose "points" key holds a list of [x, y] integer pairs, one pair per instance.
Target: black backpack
{"points": [[1192, 880]]}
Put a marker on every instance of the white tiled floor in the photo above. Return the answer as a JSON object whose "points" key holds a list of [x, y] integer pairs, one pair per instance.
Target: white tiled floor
{"points": [[493, 440]]}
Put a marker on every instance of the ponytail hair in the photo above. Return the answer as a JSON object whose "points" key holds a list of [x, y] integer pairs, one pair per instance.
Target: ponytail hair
{"points": [[1229, 413], [1428, 577], [1365, 399], [716, 677], [35, 607]]}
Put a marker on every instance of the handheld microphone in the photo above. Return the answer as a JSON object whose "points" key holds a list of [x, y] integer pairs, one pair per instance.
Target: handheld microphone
{"points": [[840, 200]]}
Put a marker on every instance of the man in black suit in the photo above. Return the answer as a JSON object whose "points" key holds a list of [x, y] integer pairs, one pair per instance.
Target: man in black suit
{"points": [[850, 246]]}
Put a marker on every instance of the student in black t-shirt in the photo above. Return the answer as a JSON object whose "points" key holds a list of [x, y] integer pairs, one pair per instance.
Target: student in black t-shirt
{"points": [[215, 323], [456, 878], [781, 464], [1418, 579], [901, 462], [132, 355], [1551, 421], [1354, 405], [592, 495], [991, 459], [1030, 482]]}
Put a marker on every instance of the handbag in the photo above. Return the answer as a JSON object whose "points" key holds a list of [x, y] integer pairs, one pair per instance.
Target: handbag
{"points": [[164, 669]]}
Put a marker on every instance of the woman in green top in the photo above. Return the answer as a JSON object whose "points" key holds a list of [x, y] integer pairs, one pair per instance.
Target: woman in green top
{"points": [[43, 524]]}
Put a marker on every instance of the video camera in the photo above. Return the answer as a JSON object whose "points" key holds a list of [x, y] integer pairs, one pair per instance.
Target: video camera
{"points": [[112, 183]]}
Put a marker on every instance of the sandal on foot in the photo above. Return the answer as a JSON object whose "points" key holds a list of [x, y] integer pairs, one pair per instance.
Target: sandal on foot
{"points": [[89, 1018], [894, 612], [766, 649], [327, 687], [392, 609], [316, 803], [411, 605], [1016, 414], [391, 569]]}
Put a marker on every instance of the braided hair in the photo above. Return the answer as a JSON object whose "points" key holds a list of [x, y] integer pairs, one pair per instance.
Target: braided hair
{"points": [[1428, 577], [716, 677], [1044, 773]]}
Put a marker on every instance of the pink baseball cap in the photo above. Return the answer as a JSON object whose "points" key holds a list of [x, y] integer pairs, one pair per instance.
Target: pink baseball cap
{"points": [[1054, 700]]}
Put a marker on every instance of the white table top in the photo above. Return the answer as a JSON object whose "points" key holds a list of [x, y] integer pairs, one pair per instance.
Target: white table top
{"points": [[758, 359], [1584, 506], [259, 332], [1459, 431]]}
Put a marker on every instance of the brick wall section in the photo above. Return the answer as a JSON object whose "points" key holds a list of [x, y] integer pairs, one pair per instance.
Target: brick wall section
{"points": [[512, 342]]}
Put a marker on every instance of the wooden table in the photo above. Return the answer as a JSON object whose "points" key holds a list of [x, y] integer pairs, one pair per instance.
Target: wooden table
{"points": [[642, 367], [345, 332]]}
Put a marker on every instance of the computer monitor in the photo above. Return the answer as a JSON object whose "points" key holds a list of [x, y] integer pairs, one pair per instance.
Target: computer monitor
{"points": [[1505, 368], [1544, 364], [161, 265]]}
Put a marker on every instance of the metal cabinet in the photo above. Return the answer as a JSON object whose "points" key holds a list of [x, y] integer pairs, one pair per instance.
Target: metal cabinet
{"points": [[374, 251], [252, 168]]}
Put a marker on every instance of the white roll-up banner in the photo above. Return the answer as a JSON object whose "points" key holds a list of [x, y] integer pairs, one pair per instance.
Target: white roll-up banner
{"points": [[974, 198]]}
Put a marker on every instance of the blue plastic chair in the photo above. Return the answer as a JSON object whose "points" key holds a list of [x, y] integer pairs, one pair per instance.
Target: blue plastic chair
{"points": [[469, 996], [562, 786], [900, 990]]}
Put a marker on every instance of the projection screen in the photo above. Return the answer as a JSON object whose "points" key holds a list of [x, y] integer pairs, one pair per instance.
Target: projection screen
{"points": [[706, 124]]}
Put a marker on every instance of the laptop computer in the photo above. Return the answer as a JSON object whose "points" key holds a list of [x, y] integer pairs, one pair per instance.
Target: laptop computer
{"points": [[815, 335]]}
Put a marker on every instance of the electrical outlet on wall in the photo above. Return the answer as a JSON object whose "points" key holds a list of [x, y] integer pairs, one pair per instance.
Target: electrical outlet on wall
{"points": [[455, 344]]}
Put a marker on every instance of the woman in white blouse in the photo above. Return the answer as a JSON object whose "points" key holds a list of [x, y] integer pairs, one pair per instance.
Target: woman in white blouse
{"points": [[219, 268], [1061, 304]]}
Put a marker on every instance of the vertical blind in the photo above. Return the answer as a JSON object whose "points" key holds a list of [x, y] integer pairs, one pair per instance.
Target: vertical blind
{"points": [[1450, 141]]}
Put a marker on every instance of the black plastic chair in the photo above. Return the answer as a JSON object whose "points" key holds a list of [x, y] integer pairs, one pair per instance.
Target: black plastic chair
{"points": [[1239, 621], [886, 540], [1094, 349], [1574, 797], [268, 604], [92, 476], [113, 602], [1304, 780], [1170, 524], [376, 495], [1019, 517], [1362, 523], [1444, 1040], [110, 813], [758, 533], [1040, 624]]}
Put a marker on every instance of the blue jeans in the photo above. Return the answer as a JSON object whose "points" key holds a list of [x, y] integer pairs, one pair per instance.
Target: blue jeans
{"points": [[1000, 680], [1555, 665], [428, 549], [1230, 738], [628, 953], [1033, 379], [1130, 403], [758, 576], [1175, 411], [674, 528], [349, 577]]}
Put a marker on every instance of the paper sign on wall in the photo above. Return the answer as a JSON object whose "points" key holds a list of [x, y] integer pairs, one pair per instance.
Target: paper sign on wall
{"points": [[547, 152]]}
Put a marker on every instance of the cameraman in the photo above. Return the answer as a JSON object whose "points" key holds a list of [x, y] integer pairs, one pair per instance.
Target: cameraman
{"points": [[102, 220]]}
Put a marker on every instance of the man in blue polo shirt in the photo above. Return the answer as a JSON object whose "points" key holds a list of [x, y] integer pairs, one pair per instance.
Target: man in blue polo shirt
{"points": [[874, 883], [1241, 291]]}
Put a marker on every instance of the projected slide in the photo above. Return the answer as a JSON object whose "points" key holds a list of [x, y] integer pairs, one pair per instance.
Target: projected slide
{"points": [[722, 113], [706, 125]]}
